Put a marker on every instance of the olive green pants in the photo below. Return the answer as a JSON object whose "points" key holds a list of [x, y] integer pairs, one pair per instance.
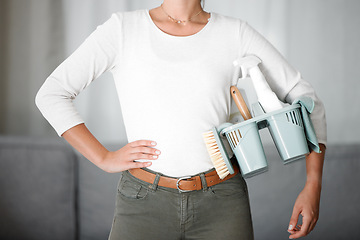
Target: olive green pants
{"points": [[151, 212]]}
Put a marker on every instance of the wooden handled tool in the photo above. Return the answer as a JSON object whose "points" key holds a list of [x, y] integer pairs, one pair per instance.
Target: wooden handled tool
{"points": [[240, 103]]}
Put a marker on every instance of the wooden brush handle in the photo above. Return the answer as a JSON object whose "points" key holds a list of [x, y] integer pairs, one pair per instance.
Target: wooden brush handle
{"points": [[240, 103]]}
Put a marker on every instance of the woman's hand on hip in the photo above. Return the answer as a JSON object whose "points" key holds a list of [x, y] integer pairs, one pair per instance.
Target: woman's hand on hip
{"points": [[123, 159]]}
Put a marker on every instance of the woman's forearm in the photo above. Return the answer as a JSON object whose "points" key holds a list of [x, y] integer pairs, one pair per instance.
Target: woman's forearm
{"points": [[314, 167], [83, 141]]}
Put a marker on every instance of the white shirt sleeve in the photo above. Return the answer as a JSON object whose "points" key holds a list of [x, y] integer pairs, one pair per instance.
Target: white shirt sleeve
{"points": [[283, 79], [96, 55]]}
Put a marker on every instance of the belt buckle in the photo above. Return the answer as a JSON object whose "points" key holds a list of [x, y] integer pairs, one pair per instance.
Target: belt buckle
{"points": [[178, 181]]}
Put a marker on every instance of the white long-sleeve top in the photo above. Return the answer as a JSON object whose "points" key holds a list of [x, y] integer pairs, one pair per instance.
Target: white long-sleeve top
{"points": [[171, 89]]}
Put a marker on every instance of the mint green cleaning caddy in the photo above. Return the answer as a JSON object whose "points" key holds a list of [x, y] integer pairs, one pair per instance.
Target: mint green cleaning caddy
{"points": [[286, 128]]}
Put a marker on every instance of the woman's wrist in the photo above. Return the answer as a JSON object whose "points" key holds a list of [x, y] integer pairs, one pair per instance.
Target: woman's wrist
{"points": [[103, 161], [314, 183]]}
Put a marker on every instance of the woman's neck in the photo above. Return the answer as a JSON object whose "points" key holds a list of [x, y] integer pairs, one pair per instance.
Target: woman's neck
{"points": [[182, 9], [167, 17]]}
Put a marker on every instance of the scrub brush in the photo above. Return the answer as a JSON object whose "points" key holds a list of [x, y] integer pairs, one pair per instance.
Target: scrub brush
{"points": [[217, 153], [214, 143]]}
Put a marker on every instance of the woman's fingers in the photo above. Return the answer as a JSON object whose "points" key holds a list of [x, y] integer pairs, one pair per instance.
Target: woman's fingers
{"points": [[125, 157], [304, 229], [143, 149], [140, 143], [146, 150], [312, 225], [295, 229], [139, 164], [294, 218], [144, 153], [136, 156]]}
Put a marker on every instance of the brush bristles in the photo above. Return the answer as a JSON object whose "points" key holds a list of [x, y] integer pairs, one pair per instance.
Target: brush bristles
{"points": [[215, 154]]}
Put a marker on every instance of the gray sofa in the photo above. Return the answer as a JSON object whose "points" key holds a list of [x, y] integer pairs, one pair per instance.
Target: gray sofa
{"points": [[49, 191]]}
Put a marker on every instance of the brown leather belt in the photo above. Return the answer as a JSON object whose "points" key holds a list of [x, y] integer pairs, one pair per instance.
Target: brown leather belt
{"points": [[183, 184]]}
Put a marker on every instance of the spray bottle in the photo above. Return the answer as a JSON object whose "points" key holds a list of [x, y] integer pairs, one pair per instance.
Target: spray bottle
{"points": [[266, 97]]}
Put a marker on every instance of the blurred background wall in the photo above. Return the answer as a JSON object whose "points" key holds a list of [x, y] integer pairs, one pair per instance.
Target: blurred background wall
{"points": [[320, 38]]}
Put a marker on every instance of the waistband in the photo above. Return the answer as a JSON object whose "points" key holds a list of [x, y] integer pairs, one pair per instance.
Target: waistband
{"points": [[183, 184]]}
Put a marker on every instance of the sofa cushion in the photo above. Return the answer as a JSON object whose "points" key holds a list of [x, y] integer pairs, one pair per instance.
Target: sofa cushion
{"points": [[38, 189], [97, 196]]}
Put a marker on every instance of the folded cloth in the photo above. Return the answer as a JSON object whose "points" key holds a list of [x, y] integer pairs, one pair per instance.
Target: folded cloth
{"points": [[307, 106]]}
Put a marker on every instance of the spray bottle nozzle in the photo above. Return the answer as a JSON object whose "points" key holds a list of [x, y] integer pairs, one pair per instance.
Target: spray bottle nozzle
{"points": [[249, 66], [245, 64]]}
